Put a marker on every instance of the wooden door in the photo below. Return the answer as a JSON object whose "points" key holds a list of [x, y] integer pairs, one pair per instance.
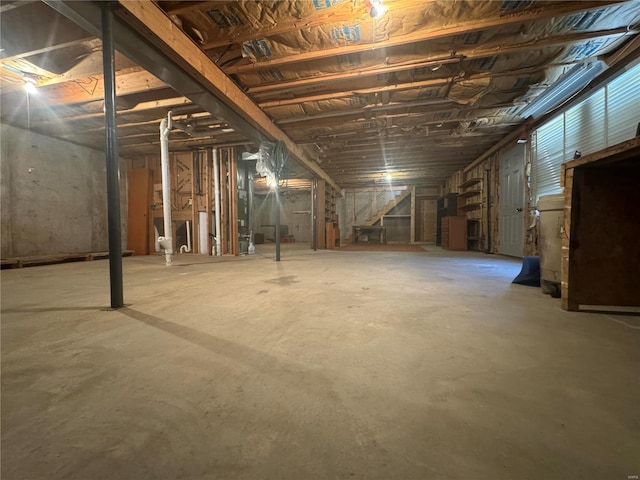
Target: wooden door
{"points": [[512, 202], [140, 190], [426, 218]]}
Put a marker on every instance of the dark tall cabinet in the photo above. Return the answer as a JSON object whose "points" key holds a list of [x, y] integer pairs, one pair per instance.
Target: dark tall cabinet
{"points": [[447, 207]]}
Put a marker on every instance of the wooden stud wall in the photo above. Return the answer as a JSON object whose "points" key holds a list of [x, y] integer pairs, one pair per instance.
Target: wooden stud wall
{"points": [[187, 201]]}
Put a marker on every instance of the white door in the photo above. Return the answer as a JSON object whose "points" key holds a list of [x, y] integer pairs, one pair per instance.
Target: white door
{"points": [[512, 202]]}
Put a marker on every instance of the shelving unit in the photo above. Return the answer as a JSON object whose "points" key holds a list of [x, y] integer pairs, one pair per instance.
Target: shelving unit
{"points": [[332, 227], [469, 190], [473, 233]]}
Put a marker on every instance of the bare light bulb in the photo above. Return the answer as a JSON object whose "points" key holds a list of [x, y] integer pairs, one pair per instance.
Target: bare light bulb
{"points": [[29, 87]]}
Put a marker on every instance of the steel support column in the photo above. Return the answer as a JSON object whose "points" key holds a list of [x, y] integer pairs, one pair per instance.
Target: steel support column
{"points": [[112, 160], [277, 195]]}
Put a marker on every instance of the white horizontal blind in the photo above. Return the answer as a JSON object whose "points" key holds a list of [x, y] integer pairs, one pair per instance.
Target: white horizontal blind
{"points": [[547, 152], [623, 106], [608, 116], [584, 126]]}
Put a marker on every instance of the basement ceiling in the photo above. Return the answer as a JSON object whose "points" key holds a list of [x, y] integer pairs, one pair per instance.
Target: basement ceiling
{"points": [[418, 92]]}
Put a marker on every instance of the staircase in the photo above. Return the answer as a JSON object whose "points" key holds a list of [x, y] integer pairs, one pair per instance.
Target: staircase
{"points": [[391, 204]]}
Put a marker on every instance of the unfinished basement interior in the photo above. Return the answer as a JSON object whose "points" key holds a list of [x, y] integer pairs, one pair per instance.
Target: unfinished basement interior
{"points": [[320, 239]]}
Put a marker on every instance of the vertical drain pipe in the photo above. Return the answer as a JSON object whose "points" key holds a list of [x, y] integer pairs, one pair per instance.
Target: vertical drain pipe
{"points": [[167, 241], [216, 183], [187, 248], [113, 162]]}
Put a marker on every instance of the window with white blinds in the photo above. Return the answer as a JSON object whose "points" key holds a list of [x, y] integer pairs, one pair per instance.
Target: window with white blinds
{"points": [[547, 143], [608, 116]]}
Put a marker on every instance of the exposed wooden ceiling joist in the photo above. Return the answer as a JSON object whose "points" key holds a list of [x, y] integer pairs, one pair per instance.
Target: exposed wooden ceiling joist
{"points": [[539, 13], [364, 91], [470, 54], [151, 18]]}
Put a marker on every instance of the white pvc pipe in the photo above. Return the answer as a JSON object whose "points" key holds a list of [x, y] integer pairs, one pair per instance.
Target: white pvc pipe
{"points": [[187, 248], [216, 182], [166, 241], [202, 232]]}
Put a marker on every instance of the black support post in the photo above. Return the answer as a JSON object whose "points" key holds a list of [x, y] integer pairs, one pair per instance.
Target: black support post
{"points": [[113, 164], [277, 192]]}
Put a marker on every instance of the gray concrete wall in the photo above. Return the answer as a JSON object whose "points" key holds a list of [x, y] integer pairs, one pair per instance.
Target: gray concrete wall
{"points": [[53, 196], [294, 201]]}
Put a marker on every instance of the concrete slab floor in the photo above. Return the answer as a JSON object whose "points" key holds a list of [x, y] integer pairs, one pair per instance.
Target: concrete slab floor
{"points": [[327, 365]]}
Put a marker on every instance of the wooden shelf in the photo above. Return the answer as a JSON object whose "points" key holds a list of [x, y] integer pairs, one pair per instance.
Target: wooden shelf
{"points": [[470, 183], [397, 216], [468, 207], [469, 193]]}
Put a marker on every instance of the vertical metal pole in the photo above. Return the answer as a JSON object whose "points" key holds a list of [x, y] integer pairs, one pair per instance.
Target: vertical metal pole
{"points": [[277, 192], [314, 213], [113, 165]]}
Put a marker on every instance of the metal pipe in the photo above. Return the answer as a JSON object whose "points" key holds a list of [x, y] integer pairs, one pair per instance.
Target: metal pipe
{"points": [[166, 241], [112, 160], [216, 183], [187, 248]]}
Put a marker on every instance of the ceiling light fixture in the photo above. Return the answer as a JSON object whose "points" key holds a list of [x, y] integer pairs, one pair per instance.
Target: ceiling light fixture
{"points": [[564, 88], [29, 85], [376, 9]]}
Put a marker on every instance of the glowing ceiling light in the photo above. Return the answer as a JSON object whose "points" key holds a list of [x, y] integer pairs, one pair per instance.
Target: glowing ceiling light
{"points": [[376, 9], [30, 85]]}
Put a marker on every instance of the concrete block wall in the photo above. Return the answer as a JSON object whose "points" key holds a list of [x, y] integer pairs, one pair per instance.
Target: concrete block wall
{"points": [[53, 196]]}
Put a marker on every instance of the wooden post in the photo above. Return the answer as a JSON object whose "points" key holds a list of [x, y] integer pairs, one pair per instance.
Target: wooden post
{"points": [[207, 196], [233, 203], [194, 202], [413, 215], [224, 248], [320, 228]]}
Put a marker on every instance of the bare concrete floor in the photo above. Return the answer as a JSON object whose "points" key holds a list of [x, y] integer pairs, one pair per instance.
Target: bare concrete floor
{"points": [[328, 365]]}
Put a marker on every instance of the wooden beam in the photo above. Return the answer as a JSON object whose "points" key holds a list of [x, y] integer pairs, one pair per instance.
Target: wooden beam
{"points": [[168, 104], [539, 13], [47, 49], [202, 67], [469, 54], [86, 90], [184, 7], [4, 8], [442, 104], [367, 72], [364, 91], [343, 12]]}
